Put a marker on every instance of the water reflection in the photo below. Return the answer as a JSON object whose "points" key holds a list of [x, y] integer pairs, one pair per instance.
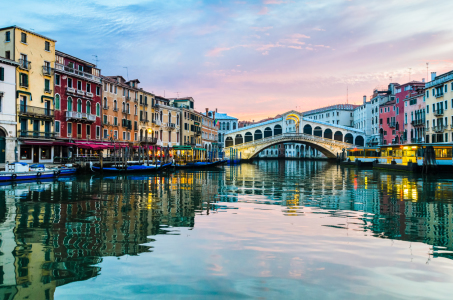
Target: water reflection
{"points": [[58, 232]]}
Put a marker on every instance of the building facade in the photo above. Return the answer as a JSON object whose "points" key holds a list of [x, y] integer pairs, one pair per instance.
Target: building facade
{"points": [[166, 123], [8, 118], [78, 91], [190, 132], [414, 116], [439, 108], [209, 135], [224, 124], [34, 92], [339, 114], [363, 117]]}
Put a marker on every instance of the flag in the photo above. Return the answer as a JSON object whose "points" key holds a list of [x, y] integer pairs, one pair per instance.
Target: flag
{"points": [[215, 122]]}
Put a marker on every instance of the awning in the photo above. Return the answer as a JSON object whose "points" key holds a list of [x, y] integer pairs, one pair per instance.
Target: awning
{"points": [[182, 148]]}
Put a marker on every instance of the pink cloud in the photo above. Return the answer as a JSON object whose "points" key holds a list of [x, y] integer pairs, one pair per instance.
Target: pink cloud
{"points": [[263, 11], [276, 1], [262, 28], [295, 47], [300, 36], [217, 51]]}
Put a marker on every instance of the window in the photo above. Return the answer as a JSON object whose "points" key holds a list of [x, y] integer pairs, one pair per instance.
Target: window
{"points": [[57, 79], [116, 90], [105, 119], [98, 91], [47, 85], [124, 135], [79, 85], [46, 152], [8, 54], [23, 80], [106, 134], [445, 88], [8, 36], [57, 101], [427, 109], [88, 88], [23, 37], [98, 132], [105, 87], [81, 68], [115, 121], [446, 104], [98, 109], [47, 46], [88, 108], [397, 100], [57, 126], [69, 82], [69, 108], [2, 74], [69, 129], [79, 105]]}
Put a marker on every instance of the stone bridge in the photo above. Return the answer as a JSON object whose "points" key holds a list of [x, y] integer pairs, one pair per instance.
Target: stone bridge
{"points": [[329, 139]]}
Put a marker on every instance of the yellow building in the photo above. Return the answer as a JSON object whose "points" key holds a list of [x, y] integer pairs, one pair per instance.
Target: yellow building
{"points": [[190, 133], [166, 122], [35, 96]]}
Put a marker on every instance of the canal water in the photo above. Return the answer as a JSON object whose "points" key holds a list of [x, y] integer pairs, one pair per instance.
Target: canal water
{"points": [[268, 229]]}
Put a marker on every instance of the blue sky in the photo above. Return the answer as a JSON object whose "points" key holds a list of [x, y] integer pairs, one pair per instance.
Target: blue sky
{"points": [[251, 59]]}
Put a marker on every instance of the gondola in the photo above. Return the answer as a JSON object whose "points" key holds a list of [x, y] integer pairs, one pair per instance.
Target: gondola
{"points": [[22, 171], [133, 169]]}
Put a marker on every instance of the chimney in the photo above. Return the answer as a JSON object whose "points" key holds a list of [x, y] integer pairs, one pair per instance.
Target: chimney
{"points": [[364, 99], [423, 80], [213, 114], [216, 110], [433, 76], [207, 110]]}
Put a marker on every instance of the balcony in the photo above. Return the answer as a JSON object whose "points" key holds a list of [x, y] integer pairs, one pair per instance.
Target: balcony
{"points": [[439, 129], [136, 100], [47, 91], [197, 133], [438, 95], [47, 71], [105, 107], [128, 98], [438, 112], [145, 104], [148, 140], [171, 125], [79, 136], [115, 109], [70, 90], [35, 134], [126, 112], [80, 92], [89, 94], [24, 64], [157, 122], [391, 125], [417, 140], [32, 111], [418, 122], [72, 71], [79, 116]]}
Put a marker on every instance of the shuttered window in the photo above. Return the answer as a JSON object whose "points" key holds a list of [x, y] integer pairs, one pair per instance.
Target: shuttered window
{"points": [[2, 74]]}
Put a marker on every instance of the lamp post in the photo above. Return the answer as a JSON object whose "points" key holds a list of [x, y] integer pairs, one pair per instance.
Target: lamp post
{"points": [[150, 133], [112, 140]]}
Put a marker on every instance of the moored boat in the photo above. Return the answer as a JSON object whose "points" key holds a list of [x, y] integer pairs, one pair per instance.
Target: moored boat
{"points": [[22, 171]]}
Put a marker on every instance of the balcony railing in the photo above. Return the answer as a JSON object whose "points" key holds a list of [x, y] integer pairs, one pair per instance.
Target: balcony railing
{"points": [[125, 111], [157, 122], [24, 64], [128, 98], [68, 69], [105, 107], [70, 90], [89, 94], [115, 109], [80, 116], [136, 100], [418, 122], [79, 135], [197, 133], [80, 92], [145, 104], [149, 140], [417, 140], [35, 134], [438, 112], [35, 111], [47, 71], [47, 91], [171, 125], [439, 128], [439, 95], [391, 125]]}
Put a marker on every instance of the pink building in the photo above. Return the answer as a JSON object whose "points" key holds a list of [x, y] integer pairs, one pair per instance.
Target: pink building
{"points": [[391, 114], [414, 116]]}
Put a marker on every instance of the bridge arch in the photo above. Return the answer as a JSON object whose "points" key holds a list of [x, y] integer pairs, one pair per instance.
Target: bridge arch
{"points": [[248, 137], [359, 140], [338, 136], [308, 129], [238, 139], [258, 134], [328, 134], [317, 131], [331, 153], [267, 132], [278, 129], [229, 142], [349, 138]]}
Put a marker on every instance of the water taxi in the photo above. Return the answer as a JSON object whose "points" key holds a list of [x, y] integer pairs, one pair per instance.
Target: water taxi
{"points": [[23, 171]]}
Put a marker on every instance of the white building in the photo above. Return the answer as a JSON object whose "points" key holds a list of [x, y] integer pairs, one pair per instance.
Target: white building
{"points": [[7, 110], [378, 98], [362, 117], [339, 114], [271, 152], [225, 123]]}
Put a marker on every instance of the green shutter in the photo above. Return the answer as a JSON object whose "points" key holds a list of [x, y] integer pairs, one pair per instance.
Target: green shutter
{"points": [[47, 84], [26, 79], [2, 74]]}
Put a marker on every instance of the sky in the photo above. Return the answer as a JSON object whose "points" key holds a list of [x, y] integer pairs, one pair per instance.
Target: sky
{"points": [[251, 59]]}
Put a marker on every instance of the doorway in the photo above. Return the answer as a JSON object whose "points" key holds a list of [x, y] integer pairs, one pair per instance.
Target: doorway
{"points": [[36, 154]]}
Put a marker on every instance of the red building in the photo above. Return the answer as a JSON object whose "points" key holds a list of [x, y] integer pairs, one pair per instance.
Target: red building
{"points": [[391, 113], [78, 92]]}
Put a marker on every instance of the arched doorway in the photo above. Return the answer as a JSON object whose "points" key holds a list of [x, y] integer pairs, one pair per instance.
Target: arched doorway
{"points": [[258, 135], [338, 136], [348, 138], [248, 137], [278, 129], [229, 142], [317, 131], [328, 133], [359, 141], [308, 129], [267, 132], [238, 139]]}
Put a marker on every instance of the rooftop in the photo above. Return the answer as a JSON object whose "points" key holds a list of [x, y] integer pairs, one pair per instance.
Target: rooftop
{"points": [[28, 31], [8, 61], [331, 107], [57, 52]]}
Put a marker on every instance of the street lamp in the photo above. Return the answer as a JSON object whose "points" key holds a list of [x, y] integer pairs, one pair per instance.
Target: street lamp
{"points": [[150, 132]]}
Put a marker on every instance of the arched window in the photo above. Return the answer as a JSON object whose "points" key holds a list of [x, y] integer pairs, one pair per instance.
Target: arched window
{"points": [[234, 125], [177, 119], [124, 107], [98, 109], [228, 126], [89, 107], [169, 117], [69, 108], [105, 102], [128, 108], [57, 101], [161, 116], [79, 105], [115, 105], [135, 110]]}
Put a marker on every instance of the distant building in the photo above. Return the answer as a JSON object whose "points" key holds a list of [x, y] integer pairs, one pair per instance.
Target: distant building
{"points": [[339, 114], [225, 123], [414, 116], [209, 135]]}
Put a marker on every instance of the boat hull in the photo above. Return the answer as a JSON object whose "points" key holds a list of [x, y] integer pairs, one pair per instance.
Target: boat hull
{"points": [[36, 175]]}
